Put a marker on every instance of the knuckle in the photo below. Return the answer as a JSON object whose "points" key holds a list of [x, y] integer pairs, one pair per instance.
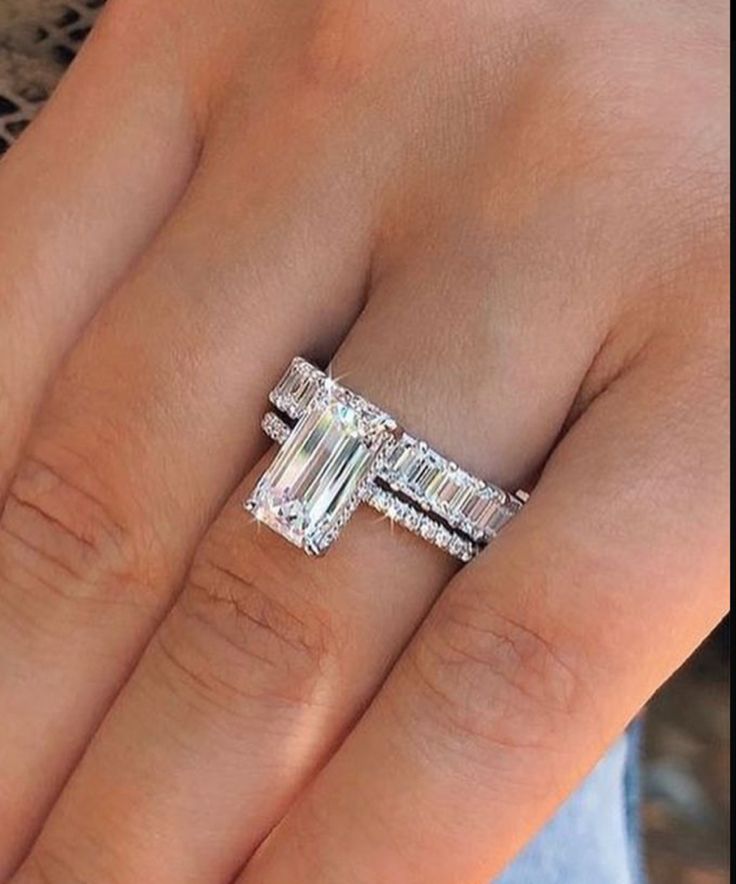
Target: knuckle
{"points": [[61, 530], [47, 866], [187, 672], [256, 612], [493, 678]]}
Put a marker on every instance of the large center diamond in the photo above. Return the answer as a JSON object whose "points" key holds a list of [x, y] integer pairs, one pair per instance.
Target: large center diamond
{"points": [[311, 486]]}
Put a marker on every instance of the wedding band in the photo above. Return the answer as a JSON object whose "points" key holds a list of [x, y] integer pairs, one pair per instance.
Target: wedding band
{"points": [[339, 450]]}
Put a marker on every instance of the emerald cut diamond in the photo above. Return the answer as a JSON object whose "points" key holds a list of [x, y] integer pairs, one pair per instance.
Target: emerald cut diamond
{"points": [[312, 487]]}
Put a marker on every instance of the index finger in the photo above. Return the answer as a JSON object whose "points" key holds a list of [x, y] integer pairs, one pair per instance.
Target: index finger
{"points": [[81, 194]]}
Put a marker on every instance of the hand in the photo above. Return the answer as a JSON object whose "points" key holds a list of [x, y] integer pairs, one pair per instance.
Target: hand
{"points": [[507, 221]]}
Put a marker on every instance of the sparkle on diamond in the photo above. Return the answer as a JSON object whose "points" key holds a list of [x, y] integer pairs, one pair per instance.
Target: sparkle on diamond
{"points": [[312, 483]]}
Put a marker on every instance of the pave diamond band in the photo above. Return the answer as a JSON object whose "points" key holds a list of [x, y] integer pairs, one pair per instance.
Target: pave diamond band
{"points": [[338, 450]]}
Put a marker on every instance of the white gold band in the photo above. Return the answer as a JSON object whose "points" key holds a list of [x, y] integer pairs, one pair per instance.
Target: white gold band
{"points": [[344, 451]]}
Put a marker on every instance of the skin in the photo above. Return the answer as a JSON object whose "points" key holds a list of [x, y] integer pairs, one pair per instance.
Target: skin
{"points": [[505, 222]]}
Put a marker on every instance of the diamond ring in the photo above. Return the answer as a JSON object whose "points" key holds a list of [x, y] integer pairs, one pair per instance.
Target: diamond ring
{"points": [[338, 450]]}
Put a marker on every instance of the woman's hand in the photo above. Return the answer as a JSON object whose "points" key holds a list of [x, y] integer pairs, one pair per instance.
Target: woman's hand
{"points": [[508, 222]]}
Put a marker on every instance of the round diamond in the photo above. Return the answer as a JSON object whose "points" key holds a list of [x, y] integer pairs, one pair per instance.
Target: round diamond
{"points": [[412, 519], [442, 537], [428, 529]]}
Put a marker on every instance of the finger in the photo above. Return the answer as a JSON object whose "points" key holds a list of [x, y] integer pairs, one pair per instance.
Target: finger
{"points": [[152, 421], [537, 655], [268, 657], [81, 193]]}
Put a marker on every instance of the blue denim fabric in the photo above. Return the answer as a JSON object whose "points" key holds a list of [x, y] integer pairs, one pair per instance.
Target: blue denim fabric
{"points": [[594, 837]]}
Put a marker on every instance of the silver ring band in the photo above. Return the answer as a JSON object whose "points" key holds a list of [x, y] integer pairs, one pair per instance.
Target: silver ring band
{"points": [[342, 451]]}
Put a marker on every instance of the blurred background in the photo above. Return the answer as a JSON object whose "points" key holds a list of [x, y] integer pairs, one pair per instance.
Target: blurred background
{"points": [[686, 774]]}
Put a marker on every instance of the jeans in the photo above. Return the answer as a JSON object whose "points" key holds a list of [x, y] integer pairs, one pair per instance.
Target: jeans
{"points": [[594, 837]]}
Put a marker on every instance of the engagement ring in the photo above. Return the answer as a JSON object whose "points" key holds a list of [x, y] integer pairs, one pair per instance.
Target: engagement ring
{"points": [[338, 451]]}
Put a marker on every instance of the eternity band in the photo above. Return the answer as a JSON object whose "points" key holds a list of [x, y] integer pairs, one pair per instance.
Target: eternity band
{"points": [[338, 450]]}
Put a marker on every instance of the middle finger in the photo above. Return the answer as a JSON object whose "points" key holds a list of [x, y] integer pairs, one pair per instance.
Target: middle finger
{"points": [[155, 416]]}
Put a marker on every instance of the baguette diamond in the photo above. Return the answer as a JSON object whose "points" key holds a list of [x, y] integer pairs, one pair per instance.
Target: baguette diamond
{"points": [[296, 389]]}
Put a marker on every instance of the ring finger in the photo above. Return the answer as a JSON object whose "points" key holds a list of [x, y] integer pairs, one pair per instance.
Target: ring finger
{"points": [[267, 657]]}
